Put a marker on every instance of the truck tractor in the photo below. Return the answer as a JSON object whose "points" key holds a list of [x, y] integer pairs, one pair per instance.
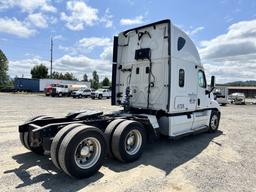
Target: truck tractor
{"points": [[158, 79]]}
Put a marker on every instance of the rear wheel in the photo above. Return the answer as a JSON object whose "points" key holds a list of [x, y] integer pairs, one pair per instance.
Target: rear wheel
{"points": [[100, 97], [128, 141], [55, 146], [109, 133], [82, 151], [25, 137]]}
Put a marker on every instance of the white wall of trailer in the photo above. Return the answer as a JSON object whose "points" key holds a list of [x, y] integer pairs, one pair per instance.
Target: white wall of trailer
{"points": [[43, 83]]}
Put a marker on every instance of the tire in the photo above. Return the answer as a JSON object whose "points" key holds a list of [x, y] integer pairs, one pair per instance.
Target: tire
{"points": [[109, 133], [80, 96], [93, 97], [108, 97], [214, 121], [68, 151], [60, 94], [24, 137], [21, 135], [120, 141], [57, 141], [100, 97]]}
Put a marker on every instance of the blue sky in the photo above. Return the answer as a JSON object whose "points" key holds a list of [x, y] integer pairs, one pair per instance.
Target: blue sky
{"points": [[224, 32]]}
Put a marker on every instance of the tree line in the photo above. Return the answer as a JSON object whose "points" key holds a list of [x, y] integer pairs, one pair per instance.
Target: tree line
{"points": [[41, 72]]}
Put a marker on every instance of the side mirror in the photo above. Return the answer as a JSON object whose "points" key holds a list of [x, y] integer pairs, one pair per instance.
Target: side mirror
{"points": [[212, 82], [212, 86]]}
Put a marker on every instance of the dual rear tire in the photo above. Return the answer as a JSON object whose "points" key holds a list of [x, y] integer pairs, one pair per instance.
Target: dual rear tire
{"points": [[79, 150], [126, 140]]}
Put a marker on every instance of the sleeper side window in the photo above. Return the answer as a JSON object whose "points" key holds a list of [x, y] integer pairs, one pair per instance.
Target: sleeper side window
{"points": [[180, 44], [181, 77], [201, 79]]}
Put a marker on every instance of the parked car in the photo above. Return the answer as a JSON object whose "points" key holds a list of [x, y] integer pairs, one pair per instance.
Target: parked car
{"points": [[60, 90], [101, 93], [237, 98], [83, 92]]}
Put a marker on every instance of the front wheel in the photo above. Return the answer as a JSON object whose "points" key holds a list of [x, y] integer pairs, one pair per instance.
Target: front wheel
{"points": [[100, 97], [214, 121]]}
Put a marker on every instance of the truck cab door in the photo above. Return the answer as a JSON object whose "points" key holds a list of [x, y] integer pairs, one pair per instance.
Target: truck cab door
{"points": [[201, 117], [202, 97]]}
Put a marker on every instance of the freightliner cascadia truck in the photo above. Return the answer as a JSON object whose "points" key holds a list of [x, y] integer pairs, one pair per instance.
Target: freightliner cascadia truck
{"points": [[158, 79]]}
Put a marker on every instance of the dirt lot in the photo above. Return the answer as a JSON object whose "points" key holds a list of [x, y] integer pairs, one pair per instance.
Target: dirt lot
{"points": [[224, 161]]}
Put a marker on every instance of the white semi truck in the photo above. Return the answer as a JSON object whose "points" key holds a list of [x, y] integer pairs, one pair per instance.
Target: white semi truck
{"points": [[159, 80]]}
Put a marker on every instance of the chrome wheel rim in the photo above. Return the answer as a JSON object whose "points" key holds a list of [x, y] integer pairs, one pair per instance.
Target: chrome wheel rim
{"points": [[214, 122], [133, 142], [87, 153]]}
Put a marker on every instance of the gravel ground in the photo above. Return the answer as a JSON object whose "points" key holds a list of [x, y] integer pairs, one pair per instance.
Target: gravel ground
{"points": [[223, 161]]}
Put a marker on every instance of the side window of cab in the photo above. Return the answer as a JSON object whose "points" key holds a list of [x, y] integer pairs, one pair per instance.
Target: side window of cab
{"points": [[201, 79]]}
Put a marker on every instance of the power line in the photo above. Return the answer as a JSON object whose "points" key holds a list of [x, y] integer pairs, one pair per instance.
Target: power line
{"points": [[51, 56]]}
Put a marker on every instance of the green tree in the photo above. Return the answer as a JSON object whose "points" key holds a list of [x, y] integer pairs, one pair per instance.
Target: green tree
{"points": [[4, 79], [95, 80], [85, 77], [55, 75], [39, 72], [105, 82], [69, 76], [66, 76]]}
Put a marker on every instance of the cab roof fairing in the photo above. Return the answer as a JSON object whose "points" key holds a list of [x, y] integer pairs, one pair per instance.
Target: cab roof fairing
{"points": [[189, 52]]}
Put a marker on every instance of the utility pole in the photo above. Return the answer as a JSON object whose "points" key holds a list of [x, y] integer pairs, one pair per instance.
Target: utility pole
{"points": [[51, 57]]}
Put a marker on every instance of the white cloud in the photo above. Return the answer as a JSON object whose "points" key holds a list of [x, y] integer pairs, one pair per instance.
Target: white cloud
{"points": [[21, 68], [15, 27], [58, 37], [81, 15], [107, 53], [86, 45], [133, 21], [195, 31], [92, 42], [38, 20], [28, 5], [107, 18], [78, 65], [232, 56]]}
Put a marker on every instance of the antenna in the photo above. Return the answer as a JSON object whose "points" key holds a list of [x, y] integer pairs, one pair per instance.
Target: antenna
{"points": [[51, 57]]}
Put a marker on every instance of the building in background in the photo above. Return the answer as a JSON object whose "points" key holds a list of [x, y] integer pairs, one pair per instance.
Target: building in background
{"points": [[38, 85], [249, 92]]}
